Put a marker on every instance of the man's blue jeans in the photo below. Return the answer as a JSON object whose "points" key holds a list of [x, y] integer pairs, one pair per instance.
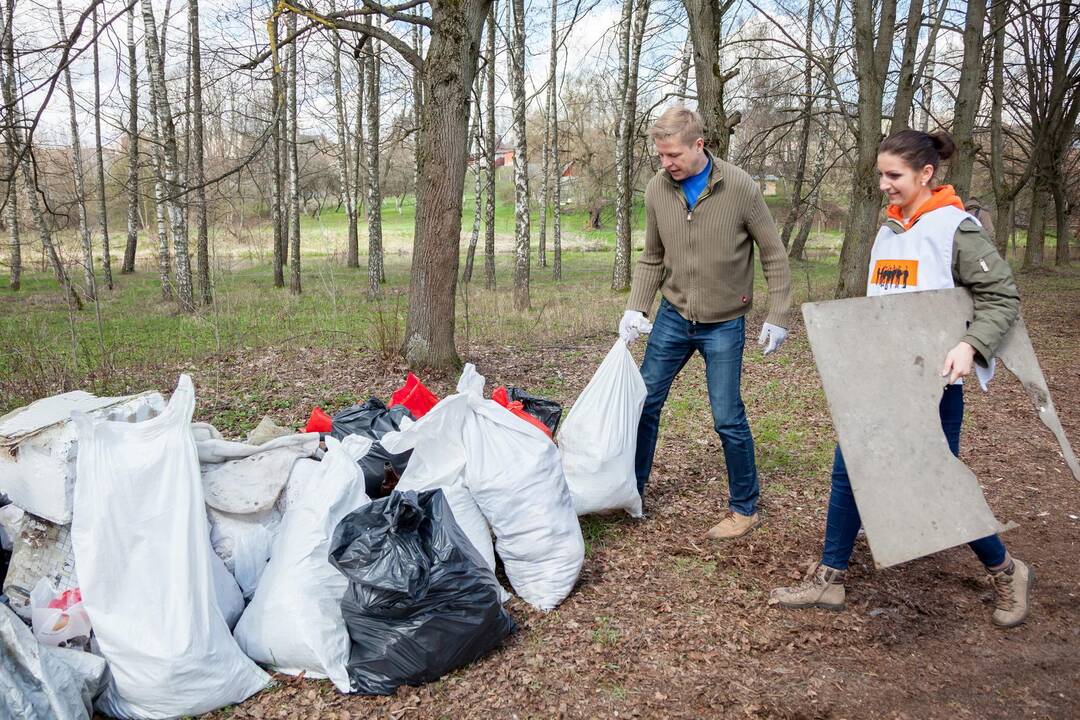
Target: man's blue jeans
{"points": [[671, 344], [843, 522]]}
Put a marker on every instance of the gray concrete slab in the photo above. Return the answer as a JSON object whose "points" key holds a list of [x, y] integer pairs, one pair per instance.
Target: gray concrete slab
{"points": [[880, 359]]}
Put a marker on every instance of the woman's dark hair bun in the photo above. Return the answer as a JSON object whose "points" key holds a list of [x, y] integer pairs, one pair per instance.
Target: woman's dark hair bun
{"points": [[944, 144]]}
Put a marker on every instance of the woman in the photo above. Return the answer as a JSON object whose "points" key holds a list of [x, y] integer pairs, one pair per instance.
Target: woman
{"points": [[928, 242]]}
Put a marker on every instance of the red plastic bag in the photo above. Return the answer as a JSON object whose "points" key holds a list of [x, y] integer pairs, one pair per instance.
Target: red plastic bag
{"points": [[501, 396], [416, 398], [319, 422]]}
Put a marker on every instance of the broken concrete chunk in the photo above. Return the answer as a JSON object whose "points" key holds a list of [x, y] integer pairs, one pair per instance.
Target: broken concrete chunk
{"points": [[267, 430], [38, 447]]}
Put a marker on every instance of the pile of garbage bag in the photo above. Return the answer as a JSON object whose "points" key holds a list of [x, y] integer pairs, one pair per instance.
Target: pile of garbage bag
{"points": [[153, 568]]}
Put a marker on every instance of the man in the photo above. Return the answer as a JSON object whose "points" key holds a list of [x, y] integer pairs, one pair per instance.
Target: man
{"points": [[703, 218]]}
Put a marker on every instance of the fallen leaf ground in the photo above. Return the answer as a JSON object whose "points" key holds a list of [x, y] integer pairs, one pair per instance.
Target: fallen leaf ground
{"points": [[665, 624]]}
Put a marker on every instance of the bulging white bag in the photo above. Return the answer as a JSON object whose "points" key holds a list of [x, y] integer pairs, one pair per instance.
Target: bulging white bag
{"points": [[142, 546], [598, 439], [294, 622]]}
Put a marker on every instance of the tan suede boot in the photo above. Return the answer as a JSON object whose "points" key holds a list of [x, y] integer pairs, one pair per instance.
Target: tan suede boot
{"points": [[823, 587], [733, 525], [1012, 591]]}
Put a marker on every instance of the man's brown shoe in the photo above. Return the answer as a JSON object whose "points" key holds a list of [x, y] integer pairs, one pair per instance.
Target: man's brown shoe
{"points": [[733, 525], [1012, 593]]}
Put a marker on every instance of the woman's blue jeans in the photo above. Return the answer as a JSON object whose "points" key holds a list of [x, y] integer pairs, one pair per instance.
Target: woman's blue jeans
{"points": [[843, 522], [672, 343]]}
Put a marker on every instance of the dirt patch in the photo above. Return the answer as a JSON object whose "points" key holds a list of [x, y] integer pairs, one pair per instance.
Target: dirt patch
{"points": [[666, 624]]}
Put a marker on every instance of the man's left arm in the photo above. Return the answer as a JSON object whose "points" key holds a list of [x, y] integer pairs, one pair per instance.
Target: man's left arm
{"points": [[774, 260]]}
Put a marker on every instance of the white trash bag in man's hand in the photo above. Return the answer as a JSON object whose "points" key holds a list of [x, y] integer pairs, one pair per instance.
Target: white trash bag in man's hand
{"points": [[598, 439]]}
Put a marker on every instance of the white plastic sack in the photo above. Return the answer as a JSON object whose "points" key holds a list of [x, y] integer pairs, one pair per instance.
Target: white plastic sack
{"points": [[598, 439], [294, 622], [146, 569], [54, 626], [513, 472], [243, 543], [239, 478], [38, 681]]}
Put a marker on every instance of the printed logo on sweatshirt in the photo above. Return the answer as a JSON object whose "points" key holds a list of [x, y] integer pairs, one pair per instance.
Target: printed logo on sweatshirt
{"points": [[893, 274]]}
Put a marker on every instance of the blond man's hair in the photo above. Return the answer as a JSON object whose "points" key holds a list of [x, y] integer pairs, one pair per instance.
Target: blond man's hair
{"points": [[678, 122]]}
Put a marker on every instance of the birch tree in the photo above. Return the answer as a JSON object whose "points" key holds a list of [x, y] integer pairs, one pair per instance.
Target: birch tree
{"points": [[376, 272], [294, 163], [169, 156], [624, 152], [278, 212], [10, 171], [556, 169], [489, 147], [132, 243], [103, 212], [77, 169], [516, 12]]}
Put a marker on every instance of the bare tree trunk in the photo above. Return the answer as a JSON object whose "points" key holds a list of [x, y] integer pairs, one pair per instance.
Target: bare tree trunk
{"points": [[17, 147], [376, 272], [476, 138], [103, 213], [164, 258], [556, 166], [418, 96], [928, 77], [522, 253], [905, 91], [359, 147], [1061, 216], [706, 21], [968, 96], [294, 166], [624, 203], [352, 243], [450, 66], [804, 131], [202, 243], [872, 51], [133, 149], [10, 171], [76, 158], [1004, 192], [1036, 234], [489, 143], [277, 185], [160, 99]]}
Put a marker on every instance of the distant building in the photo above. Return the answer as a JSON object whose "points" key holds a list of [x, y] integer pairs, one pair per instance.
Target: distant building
{"points": [[767, 183]]}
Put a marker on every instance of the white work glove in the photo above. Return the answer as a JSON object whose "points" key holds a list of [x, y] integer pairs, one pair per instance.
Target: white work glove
{"points": [[772, 337], [633, 325]]}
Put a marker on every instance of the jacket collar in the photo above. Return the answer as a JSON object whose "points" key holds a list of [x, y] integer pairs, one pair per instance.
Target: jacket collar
{"points": [[716, 174]]}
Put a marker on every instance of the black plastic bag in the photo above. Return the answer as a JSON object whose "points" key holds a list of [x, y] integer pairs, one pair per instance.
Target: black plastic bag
{"points": [[548, 412], [373, 420], [421, 601]]}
